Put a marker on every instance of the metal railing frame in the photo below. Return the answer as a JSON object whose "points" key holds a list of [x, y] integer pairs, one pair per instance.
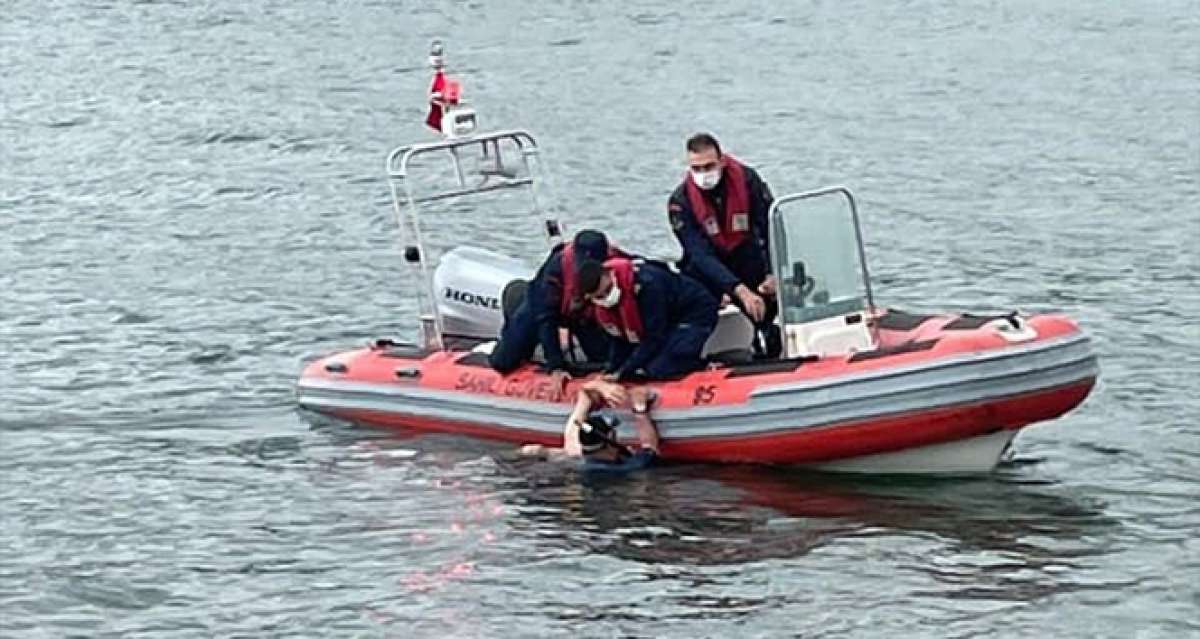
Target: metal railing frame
{"points": [[399, 162]]}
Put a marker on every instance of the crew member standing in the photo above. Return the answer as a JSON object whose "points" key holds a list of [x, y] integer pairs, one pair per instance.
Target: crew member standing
{"points": [[719, 216]]}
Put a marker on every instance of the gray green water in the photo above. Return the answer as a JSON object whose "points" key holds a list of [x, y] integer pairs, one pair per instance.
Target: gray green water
{"points": [[192, 204]]}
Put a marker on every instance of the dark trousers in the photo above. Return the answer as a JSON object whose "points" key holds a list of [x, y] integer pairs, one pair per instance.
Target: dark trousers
{"points": [[520, 337], [767, 339], [681, 354]]}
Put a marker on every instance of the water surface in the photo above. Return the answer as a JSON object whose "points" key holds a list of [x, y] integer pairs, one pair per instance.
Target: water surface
{"points": [[192, 205]]}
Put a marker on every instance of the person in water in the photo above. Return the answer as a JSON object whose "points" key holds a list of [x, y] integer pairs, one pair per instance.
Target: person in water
{"points": [[658, 320], [552, 301], [719, 215], [591, 430]]}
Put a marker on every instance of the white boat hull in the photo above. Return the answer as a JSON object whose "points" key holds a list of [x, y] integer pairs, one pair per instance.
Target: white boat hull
{"points": [[966, 456]]}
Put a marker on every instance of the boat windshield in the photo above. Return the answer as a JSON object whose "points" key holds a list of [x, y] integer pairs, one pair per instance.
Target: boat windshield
{"points": [[817, 256]]}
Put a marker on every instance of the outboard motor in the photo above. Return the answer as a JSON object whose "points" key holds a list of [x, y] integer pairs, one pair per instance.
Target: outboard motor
{"points": [[469, 286]]}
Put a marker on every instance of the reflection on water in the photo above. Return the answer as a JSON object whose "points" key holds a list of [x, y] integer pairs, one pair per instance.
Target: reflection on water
{"points": [[735, 514], [1000, 537]]}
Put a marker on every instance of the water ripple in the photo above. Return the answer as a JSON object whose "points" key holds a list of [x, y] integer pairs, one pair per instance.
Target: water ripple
{"points": [[193, 207]]}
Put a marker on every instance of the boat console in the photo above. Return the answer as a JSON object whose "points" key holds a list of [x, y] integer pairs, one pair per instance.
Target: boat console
{"points": [[825, 298]]}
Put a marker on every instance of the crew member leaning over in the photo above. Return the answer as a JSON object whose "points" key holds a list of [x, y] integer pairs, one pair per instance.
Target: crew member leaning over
{"points": [[552, 302], [658, 321]]}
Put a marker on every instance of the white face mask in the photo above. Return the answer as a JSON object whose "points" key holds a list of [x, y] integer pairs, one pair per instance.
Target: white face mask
{"points": [[706, 179], [436, 61], [610, 300]]}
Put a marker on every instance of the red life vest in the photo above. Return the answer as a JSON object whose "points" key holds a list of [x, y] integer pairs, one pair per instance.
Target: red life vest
{"points": [[570, 305], [623, 321], [737, 207], [567, 304]]}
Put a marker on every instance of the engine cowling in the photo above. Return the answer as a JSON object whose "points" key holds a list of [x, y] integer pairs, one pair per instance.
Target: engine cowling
{"points": [[469, 285]]}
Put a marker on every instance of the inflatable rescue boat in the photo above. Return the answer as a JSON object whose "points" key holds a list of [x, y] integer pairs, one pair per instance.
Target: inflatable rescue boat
{"points": [[858, 388]]}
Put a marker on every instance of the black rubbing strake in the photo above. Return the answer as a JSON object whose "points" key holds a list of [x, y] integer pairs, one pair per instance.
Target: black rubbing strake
{"points": [[968, 322], [907, 347], [901, 321], [474, 359], [775, 366]]}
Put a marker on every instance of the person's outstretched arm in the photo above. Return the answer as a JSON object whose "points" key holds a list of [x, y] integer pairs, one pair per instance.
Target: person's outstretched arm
{"points": [[591, 393], [641, 400], [583, 405]]}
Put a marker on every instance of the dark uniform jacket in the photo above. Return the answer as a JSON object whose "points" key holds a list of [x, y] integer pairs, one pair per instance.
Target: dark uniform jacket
{"points": [[749, 263], [665, 299], [544, 297]]}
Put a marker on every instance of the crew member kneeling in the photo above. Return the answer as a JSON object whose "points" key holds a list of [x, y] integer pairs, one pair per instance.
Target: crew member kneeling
{"points": [[719, 216], [658, 320], [551, 301]]}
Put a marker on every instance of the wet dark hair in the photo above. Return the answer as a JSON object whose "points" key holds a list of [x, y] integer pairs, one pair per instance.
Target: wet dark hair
{"points": [[591, 244], [599, 429], [587, 276], [701, 141]]}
